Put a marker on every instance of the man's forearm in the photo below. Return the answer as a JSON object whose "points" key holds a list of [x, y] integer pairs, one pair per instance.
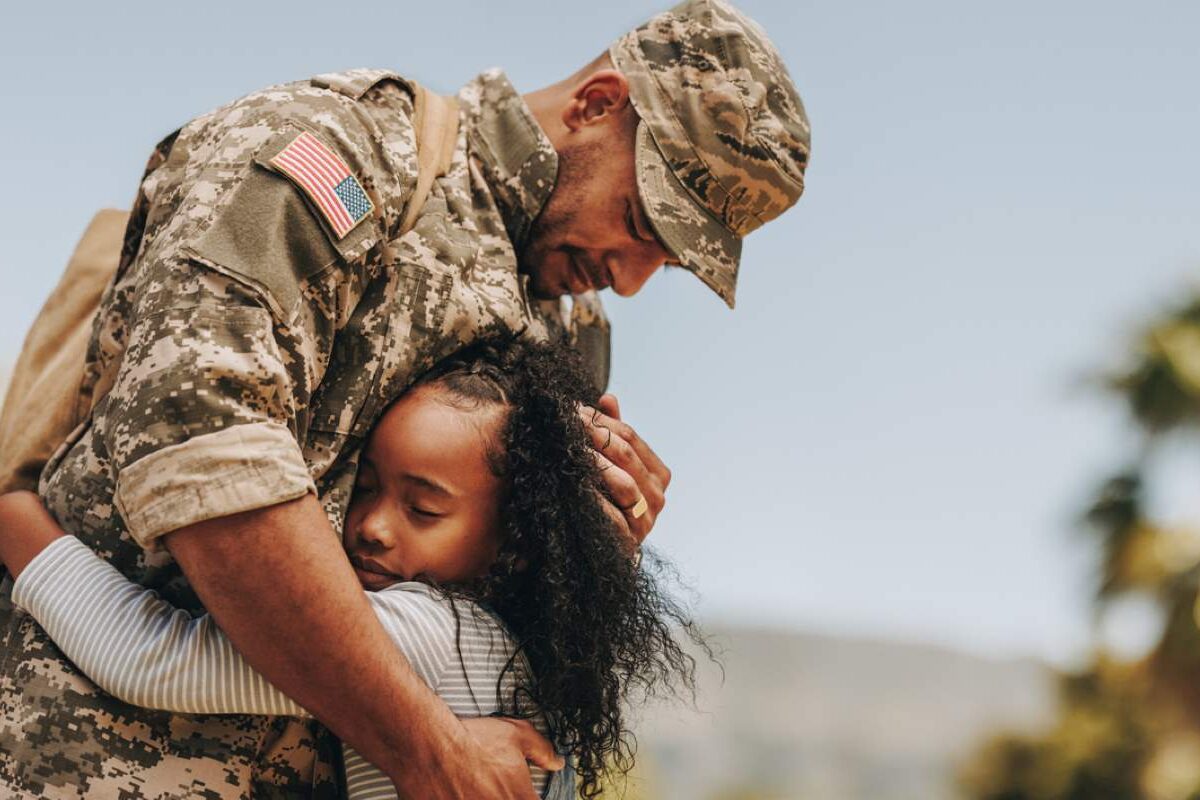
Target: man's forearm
{"points": [[278, 583]]}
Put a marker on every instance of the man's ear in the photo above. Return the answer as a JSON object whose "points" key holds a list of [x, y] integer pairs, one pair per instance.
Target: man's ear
{"points": [[597, 98]]}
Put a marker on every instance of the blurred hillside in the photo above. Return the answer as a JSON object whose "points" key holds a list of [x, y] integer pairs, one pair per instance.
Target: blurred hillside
{"points": [[807, 717]]}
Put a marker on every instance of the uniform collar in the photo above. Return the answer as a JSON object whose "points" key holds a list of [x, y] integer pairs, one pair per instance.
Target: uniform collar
{"points": [[514, 154]]}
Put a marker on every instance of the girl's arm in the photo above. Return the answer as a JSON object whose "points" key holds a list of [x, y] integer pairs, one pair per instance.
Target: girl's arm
{"points": [[133, 644], [144, 651]]}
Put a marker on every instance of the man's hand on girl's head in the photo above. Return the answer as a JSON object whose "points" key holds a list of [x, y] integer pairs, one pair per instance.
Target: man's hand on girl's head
{"points": [[635, 476], [26, 528]]}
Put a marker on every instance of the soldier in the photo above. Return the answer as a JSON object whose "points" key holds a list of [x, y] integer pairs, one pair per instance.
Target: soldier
{"points": [[268, 306]]}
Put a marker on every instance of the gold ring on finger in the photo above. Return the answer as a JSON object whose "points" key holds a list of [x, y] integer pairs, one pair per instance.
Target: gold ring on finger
{"points": [[640, 507]]}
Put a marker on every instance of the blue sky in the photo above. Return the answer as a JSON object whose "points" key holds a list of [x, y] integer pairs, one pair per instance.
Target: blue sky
{"points": [[893, 433]]}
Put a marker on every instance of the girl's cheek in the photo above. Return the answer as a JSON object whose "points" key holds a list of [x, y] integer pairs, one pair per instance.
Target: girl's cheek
{"points": [[348, 527]]}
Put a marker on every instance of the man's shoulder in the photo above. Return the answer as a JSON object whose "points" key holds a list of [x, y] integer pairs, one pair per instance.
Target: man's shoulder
{"points": [[335, 93], [364, 116], [279, 183], [355, 83]]}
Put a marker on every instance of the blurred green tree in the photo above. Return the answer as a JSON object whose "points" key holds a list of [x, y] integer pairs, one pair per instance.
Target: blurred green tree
{"points": [[1128, 730]]}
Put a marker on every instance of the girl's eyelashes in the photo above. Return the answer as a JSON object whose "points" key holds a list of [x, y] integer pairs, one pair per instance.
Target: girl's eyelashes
{"points": [[425, 512]]}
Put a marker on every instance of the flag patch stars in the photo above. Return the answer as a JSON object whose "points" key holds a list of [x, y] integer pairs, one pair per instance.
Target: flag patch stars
{"points": [[326, 180], [353, 198]]}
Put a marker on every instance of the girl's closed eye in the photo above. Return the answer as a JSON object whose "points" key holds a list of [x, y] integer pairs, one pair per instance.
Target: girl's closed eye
{"points": [[481, 481], [426, 512]]}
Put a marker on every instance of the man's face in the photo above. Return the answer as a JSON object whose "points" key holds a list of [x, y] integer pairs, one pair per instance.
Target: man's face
{"points": [[592, 232]]}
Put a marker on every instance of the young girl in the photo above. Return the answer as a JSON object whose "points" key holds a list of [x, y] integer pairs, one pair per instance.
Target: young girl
{"points": [[477, 528]]}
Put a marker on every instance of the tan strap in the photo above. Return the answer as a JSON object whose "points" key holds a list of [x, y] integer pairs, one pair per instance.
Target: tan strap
{"points": [[435, 120]]}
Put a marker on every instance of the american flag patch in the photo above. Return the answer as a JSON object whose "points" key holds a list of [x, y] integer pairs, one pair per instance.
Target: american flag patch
{"points": [[326, 180]]}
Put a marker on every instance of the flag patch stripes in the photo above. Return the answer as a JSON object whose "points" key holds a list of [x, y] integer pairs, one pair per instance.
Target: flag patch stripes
{"points": [[326, 180]]}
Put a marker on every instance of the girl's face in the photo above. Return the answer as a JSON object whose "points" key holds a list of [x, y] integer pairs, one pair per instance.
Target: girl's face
{"points": [[426, 504]]}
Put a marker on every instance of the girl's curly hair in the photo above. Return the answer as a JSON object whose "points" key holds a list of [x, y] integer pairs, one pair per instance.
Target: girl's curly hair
{"points": [[597, 629]]}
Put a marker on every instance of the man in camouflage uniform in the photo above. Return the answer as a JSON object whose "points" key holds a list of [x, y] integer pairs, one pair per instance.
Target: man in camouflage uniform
{"points": [[252, 336]]}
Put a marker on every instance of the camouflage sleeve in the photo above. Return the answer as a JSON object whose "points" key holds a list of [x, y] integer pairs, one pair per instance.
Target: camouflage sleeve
{"points": [[237, 299], [200, 421]]}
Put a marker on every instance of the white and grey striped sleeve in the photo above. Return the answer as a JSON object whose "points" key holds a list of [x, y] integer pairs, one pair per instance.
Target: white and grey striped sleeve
{"points": [[144, 651], [470, 649]]}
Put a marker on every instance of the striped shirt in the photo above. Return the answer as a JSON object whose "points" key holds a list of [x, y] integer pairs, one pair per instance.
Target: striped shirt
{"points": [[142, 650]]}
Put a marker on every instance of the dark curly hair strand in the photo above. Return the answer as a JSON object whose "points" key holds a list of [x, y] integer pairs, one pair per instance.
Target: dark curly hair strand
{"points": [[597, 629]]}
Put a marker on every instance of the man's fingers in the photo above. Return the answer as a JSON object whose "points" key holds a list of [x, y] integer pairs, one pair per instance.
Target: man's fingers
{"points": [[499, 766], [627, 432], [536, 748], [634, 475], [620, 443], [625, 495], [607, 439], [609, 405], [622, 488], [621, 519], [653, 463]]}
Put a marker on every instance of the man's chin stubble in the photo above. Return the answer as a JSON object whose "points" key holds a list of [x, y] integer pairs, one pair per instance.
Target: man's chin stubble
{"points": [[539, 288]]}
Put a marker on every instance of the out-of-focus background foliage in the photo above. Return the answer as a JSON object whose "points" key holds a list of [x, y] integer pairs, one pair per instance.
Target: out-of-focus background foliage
{"points": [[1128, 725], [885, 457]]}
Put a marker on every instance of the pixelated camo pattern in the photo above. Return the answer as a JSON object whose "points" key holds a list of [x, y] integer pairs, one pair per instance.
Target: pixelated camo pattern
{"points": [[210, 325], [724, 139]]}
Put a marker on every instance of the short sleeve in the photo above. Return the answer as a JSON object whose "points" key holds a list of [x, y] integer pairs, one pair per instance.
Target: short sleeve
{"points": [[264, 229], [239, 298], [201, 421], [423, 627]]}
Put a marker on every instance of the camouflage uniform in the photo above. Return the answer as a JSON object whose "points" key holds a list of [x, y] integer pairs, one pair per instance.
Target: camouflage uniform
{"points": [[249, 344], [246, 349]]}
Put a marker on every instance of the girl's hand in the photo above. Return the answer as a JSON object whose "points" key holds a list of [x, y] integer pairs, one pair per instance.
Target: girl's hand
{"points": [[26, 528]]}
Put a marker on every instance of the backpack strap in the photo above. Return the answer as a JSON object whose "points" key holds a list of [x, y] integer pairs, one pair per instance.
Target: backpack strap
{"points": [[436, 124], [46, 396]]}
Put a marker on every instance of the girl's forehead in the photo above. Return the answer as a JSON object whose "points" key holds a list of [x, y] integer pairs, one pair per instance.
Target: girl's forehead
{"points": [[425, 429]]}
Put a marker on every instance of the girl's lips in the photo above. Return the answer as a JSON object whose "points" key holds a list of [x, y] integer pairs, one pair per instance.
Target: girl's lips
{"points": [[372, 577]]}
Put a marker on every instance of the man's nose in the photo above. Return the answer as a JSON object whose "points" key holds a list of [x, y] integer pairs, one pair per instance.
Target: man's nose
{"points": [[631, 271]]}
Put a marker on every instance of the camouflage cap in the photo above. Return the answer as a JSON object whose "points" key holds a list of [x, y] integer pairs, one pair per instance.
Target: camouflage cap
{"points": [[723, 139]]}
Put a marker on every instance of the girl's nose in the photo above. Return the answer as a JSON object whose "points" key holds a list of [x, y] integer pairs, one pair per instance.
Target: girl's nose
{"points": [[377, 528]]}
